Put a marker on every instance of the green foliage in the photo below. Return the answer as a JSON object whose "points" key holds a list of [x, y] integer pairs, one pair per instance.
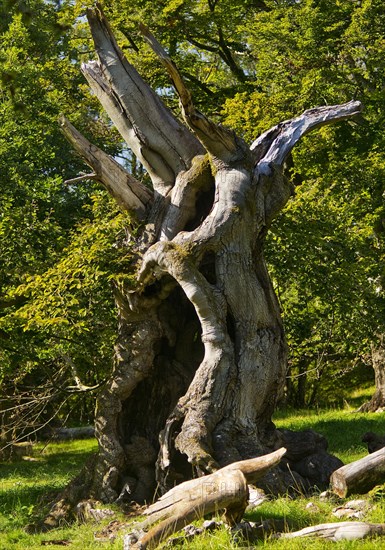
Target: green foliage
{"points": [[250, 63], [67, 324], [40, 50]]}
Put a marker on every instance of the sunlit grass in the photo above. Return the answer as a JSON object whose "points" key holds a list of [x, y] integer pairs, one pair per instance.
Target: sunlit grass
{"points": [[343, 429], [24, 487]]}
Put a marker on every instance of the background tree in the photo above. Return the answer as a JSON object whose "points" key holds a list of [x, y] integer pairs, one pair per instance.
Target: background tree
{"points": [[40, 215]]}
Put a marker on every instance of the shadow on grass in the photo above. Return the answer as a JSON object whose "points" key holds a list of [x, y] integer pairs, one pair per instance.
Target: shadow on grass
{"points": [[31, 485], [282, 515], [342, 429], [66, 461], [23, 497]]}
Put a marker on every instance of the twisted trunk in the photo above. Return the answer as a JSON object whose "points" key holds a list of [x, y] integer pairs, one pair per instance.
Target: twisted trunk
{"points": [[201, 353]]}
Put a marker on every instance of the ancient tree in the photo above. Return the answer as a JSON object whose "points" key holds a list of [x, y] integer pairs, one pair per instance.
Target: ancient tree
{"points": [[200, 359]]}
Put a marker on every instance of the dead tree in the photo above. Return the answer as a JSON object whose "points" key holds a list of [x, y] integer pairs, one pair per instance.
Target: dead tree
{"points": [[200, 359]]}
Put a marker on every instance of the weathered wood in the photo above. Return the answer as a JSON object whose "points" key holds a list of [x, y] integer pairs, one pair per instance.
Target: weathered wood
{"points": [[163, 145], [359, 476], [346, 530], [225, 489], [211, 216], [129, 193]]}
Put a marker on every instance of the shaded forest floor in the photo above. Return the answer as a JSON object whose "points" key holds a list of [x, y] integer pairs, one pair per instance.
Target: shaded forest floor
{"points": [[27, 485]]}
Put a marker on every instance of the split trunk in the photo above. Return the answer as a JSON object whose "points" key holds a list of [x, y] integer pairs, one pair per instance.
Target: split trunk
{"points": [[200, 359]]}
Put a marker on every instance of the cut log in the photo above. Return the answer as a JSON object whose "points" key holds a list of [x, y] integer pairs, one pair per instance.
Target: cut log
{"points": [[225, 489], [359, 476], [345, 530]]}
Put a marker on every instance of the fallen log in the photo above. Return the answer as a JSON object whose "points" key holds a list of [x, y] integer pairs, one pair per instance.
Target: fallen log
{"points": [[225, 489], [360, 476], [345, 530]]}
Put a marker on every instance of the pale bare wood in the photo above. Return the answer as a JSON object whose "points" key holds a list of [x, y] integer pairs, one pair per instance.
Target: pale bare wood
{"points": [[218, 140], [359, 476], [225, 489], [286, 135], [128, 192], [163, 145], [345, 530], [271, 149]]}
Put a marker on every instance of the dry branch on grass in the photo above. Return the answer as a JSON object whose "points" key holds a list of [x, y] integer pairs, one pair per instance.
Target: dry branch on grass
{"points": [[225, 489], [345, 530]]}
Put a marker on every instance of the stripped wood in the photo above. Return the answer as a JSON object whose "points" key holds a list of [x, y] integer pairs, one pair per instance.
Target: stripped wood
{"points": [[360, 476]]}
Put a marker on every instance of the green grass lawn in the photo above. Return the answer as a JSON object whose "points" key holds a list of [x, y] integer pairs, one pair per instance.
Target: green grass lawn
{"points": [[26, 486]]}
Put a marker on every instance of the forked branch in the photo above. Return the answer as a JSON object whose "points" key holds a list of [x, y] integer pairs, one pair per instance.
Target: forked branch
{"points": [[162, 144]]}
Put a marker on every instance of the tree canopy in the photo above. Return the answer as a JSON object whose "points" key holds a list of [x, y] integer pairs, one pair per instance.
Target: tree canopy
{"points": [[249, 64]]}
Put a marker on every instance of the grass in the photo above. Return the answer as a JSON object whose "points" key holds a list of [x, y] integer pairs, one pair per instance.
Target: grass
{"points": [[25, 490], [25, 487]]}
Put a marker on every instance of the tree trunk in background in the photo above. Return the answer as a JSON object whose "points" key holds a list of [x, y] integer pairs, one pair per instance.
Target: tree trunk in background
{"points": [[201, 353], [377, 402]]}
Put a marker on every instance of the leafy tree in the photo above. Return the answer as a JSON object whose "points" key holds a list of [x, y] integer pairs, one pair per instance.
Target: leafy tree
{"points": [[39, 78]]}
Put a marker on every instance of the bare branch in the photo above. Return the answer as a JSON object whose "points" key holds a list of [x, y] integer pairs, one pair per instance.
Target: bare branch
{"points": [[129, 193], [162, 144], [79, 386], [272, 148], [92, 176], [218, 141], [338, 531], [281, 139]]}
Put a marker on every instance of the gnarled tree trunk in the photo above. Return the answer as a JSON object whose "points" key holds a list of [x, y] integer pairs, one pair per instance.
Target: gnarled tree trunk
{"points": [[201, 352]]}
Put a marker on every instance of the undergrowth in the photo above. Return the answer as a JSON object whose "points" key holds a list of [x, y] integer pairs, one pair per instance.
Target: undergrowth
{"points": [[27, 486]]}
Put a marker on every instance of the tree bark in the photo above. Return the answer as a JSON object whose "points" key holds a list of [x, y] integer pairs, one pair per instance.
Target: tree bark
{"points": [[201, 354], [359, 476], [377, 402]]}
